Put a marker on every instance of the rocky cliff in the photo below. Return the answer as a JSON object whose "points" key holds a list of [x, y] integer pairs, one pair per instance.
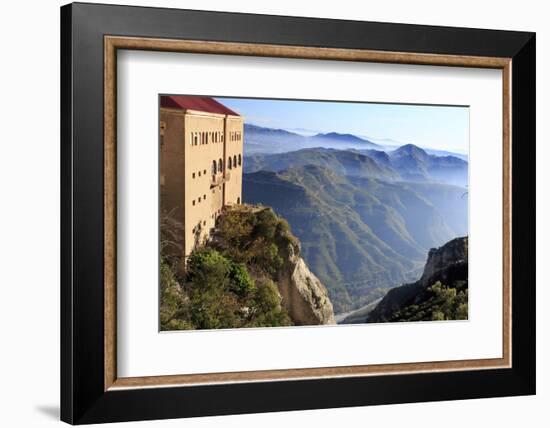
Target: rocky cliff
{"points": [[444, 262], [440, 292], [303, 295], [256, 236]]}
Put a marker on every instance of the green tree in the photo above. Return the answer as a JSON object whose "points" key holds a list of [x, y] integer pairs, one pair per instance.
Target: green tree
{"points": [[174, 304]]}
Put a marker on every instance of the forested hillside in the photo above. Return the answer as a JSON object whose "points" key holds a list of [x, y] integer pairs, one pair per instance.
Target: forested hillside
{"points": [[360, 234]]}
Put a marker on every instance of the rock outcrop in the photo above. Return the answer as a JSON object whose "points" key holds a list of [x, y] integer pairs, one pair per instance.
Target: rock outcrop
{"points": [[256, 235], [304, 296], [447, 264], [443, 261]]}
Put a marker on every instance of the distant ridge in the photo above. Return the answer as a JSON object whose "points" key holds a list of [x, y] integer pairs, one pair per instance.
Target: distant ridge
{"points": [[260, 139], [345, 137]]}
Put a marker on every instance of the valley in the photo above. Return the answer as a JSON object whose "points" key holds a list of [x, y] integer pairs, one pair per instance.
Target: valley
{"points": [[365, 218]]}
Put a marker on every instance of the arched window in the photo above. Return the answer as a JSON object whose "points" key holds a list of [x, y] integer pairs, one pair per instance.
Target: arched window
{"points": [[220, 165], [214, 167], [229, 164], [235, 161], [240, 161], [238, 200]]}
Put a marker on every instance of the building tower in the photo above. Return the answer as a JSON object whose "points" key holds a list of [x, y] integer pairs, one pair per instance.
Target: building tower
{"points": [[201, 160]]}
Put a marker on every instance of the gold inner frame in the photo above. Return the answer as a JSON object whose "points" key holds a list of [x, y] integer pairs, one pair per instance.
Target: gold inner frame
{"points": [[113, 43]]}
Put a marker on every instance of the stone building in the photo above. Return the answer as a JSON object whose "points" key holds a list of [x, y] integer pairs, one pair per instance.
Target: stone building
{"points": [[201, 162]]}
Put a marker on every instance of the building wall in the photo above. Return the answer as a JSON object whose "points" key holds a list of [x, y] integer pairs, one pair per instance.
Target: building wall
{"points": [[172, 182], [189, 181], [234, 150]]}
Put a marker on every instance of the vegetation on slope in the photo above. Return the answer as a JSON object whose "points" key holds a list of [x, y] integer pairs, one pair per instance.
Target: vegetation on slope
{"points": [[359, 235], [442, 303], [226, 283], [440, 294]]}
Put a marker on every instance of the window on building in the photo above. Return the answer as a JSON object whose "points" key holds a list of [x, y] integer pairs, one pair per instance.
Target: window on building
{"points": [[204, 223], [199, 199], [240, 161], [221, 137], [220, 165], [199, 173], [193, 202], [238, 200], [229, 163], [162, 129], [235, 161], [193, 175], [204, 172], [214, 167]]}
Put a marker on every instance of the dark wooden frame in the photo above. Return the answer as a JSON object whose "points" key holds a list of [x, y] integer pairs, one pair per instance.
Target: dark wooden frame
{"points": [[89, 33]]}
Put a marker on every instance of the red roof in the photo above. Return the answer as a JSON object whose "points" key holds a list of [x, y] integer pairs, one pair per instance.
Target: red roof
{"points": [[188, 102]]}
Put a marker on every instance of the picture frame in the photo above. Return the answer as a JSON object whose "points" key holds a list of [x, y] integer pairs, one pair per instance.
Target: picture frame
{"points": [[91, 391]]}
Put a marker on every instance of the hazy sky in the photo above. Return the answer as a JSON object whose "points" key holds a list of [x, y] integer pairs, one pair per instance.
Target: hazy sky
{"points": [[443, 128]]}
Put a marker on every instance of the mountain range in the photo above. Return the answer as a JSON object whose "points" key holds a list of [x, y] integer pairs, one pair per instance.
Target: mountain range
{"points": [[360, 234], [268, 140], [366, 215], [276, 149]]}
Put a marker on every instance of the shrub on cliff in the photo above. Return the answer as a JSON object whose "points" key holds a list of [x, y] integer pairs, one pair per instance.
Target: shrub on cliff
{"points": [[174, 303], [255, 237], [218, 292], [443, 303]]}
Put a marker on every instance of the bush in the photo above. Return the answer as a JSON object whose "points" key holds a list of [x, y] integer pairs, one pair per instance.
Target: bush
{"points": [[174, 304], [266, 309], [443, 303], [217, 289], [240, 280]]}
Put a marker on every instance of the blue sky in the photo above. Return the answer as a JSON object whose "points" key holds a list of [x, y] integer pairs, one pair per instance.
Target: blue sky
{"points": [[436, 127]]}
